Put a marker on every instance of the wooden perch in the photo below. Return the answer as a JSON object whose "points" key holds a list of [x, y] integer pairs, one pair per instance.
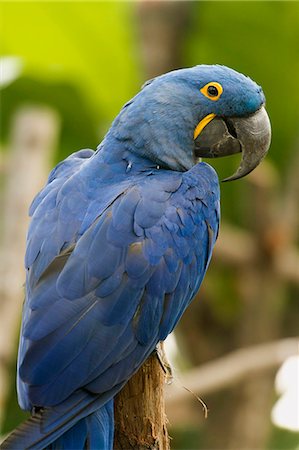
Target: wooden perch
{"points": [[140, 420]]}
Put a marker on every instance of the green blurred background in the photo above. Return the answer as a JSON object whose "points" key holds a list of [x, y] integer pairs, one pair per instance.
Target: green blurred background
{"points": [[85, 60]]}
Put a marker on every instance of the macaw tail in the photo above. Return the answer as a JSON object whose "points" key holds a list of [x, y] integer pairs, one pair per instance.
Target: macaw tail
{"points": [[93, 432]]}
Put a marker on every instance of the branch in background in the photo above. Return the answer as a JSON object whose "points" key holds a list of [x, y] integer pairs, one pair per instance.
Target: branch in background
{"points": [[230, 370], [287, 265], [290, 215], [277, 232], [235, 246], [238, 247], [33, 137], [162, 27]]}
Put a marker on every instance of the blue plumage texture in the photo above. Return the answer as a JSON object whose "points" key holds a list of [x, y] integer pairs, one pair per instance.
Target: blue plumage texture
{"points": [[118, 245], [113, 284]]}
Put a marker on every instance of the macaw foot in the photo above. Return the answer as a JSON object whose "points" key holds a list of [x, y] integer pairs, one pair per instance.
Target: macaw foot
{"points": [[165, 364]]}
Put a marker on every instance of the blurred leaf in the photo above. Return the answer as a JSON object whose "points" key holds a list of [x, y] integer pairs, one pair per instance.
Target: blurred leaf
{"points": [[88, 43]]}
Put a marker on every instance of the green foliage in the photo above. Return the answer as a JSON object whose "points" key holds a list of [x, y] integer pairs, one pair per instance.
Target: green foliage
{"points": [[283, 440], [186, 438], [88, 44], [224, 308]]}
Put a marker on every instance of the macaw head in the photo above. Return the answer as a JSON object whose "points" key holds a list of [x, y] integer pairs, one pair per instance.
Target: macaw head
{"points": [[204, 111]]}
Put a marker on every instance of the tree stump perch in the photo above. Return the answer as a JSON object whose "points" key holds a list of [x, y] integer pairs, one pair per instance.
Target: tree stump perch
{"points": [[140, 420]]}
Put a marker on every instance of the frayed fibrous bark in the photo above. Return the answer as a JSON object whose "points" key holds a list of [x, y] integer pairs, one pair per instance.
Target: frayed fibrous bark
{"points": [[140, 420]]}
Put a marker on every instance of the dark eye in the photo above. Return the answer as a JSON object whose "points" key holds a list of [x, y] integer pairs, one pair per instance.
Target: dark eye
{"points": [[212, 91]]}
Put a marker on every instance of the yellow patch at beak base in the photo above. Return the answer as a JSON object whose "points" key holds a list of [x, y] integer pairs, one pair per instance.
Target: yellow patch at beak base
{"points": [[202, 124]]}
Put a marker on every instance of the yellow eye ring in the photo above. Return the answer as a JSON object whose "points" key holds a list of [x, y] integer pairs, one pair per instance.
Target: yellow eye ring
{"points": [[212, 90]]}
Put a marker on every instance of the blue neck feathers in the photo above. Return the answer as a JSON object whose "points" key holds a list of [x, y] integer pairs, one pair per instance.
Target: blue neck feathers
{"points": [[150, 127]]}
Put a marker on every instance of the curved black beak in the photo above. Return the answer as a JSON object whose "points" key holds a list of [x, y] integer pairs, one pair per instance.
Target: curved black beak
{"points": [[250, 135]]}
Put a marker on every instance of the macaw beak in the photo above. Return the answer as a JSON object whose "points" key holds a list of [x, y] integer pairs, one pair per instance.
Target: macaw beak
{"points": [[221, 136]]}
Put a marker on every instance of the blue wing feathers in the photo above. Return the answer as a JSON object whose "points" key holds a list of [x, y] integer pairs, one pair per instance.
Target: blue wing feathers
{"points": [[124, 209], [150, 316], [49, 354], [111, 283], [136, 263], [171, 260], [134, 256], [147, 217], [124, 346], [88, 265]]}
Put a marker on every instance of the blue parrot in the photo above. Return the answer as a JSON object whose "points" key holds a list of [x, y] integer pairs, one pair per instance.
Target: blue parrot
{"points": [[118, 245]]}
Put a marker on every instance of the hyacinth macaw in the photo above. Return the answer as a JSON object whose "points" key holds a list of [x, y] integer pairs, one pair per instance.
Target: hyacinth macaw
{"points": [[118, 245]]}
